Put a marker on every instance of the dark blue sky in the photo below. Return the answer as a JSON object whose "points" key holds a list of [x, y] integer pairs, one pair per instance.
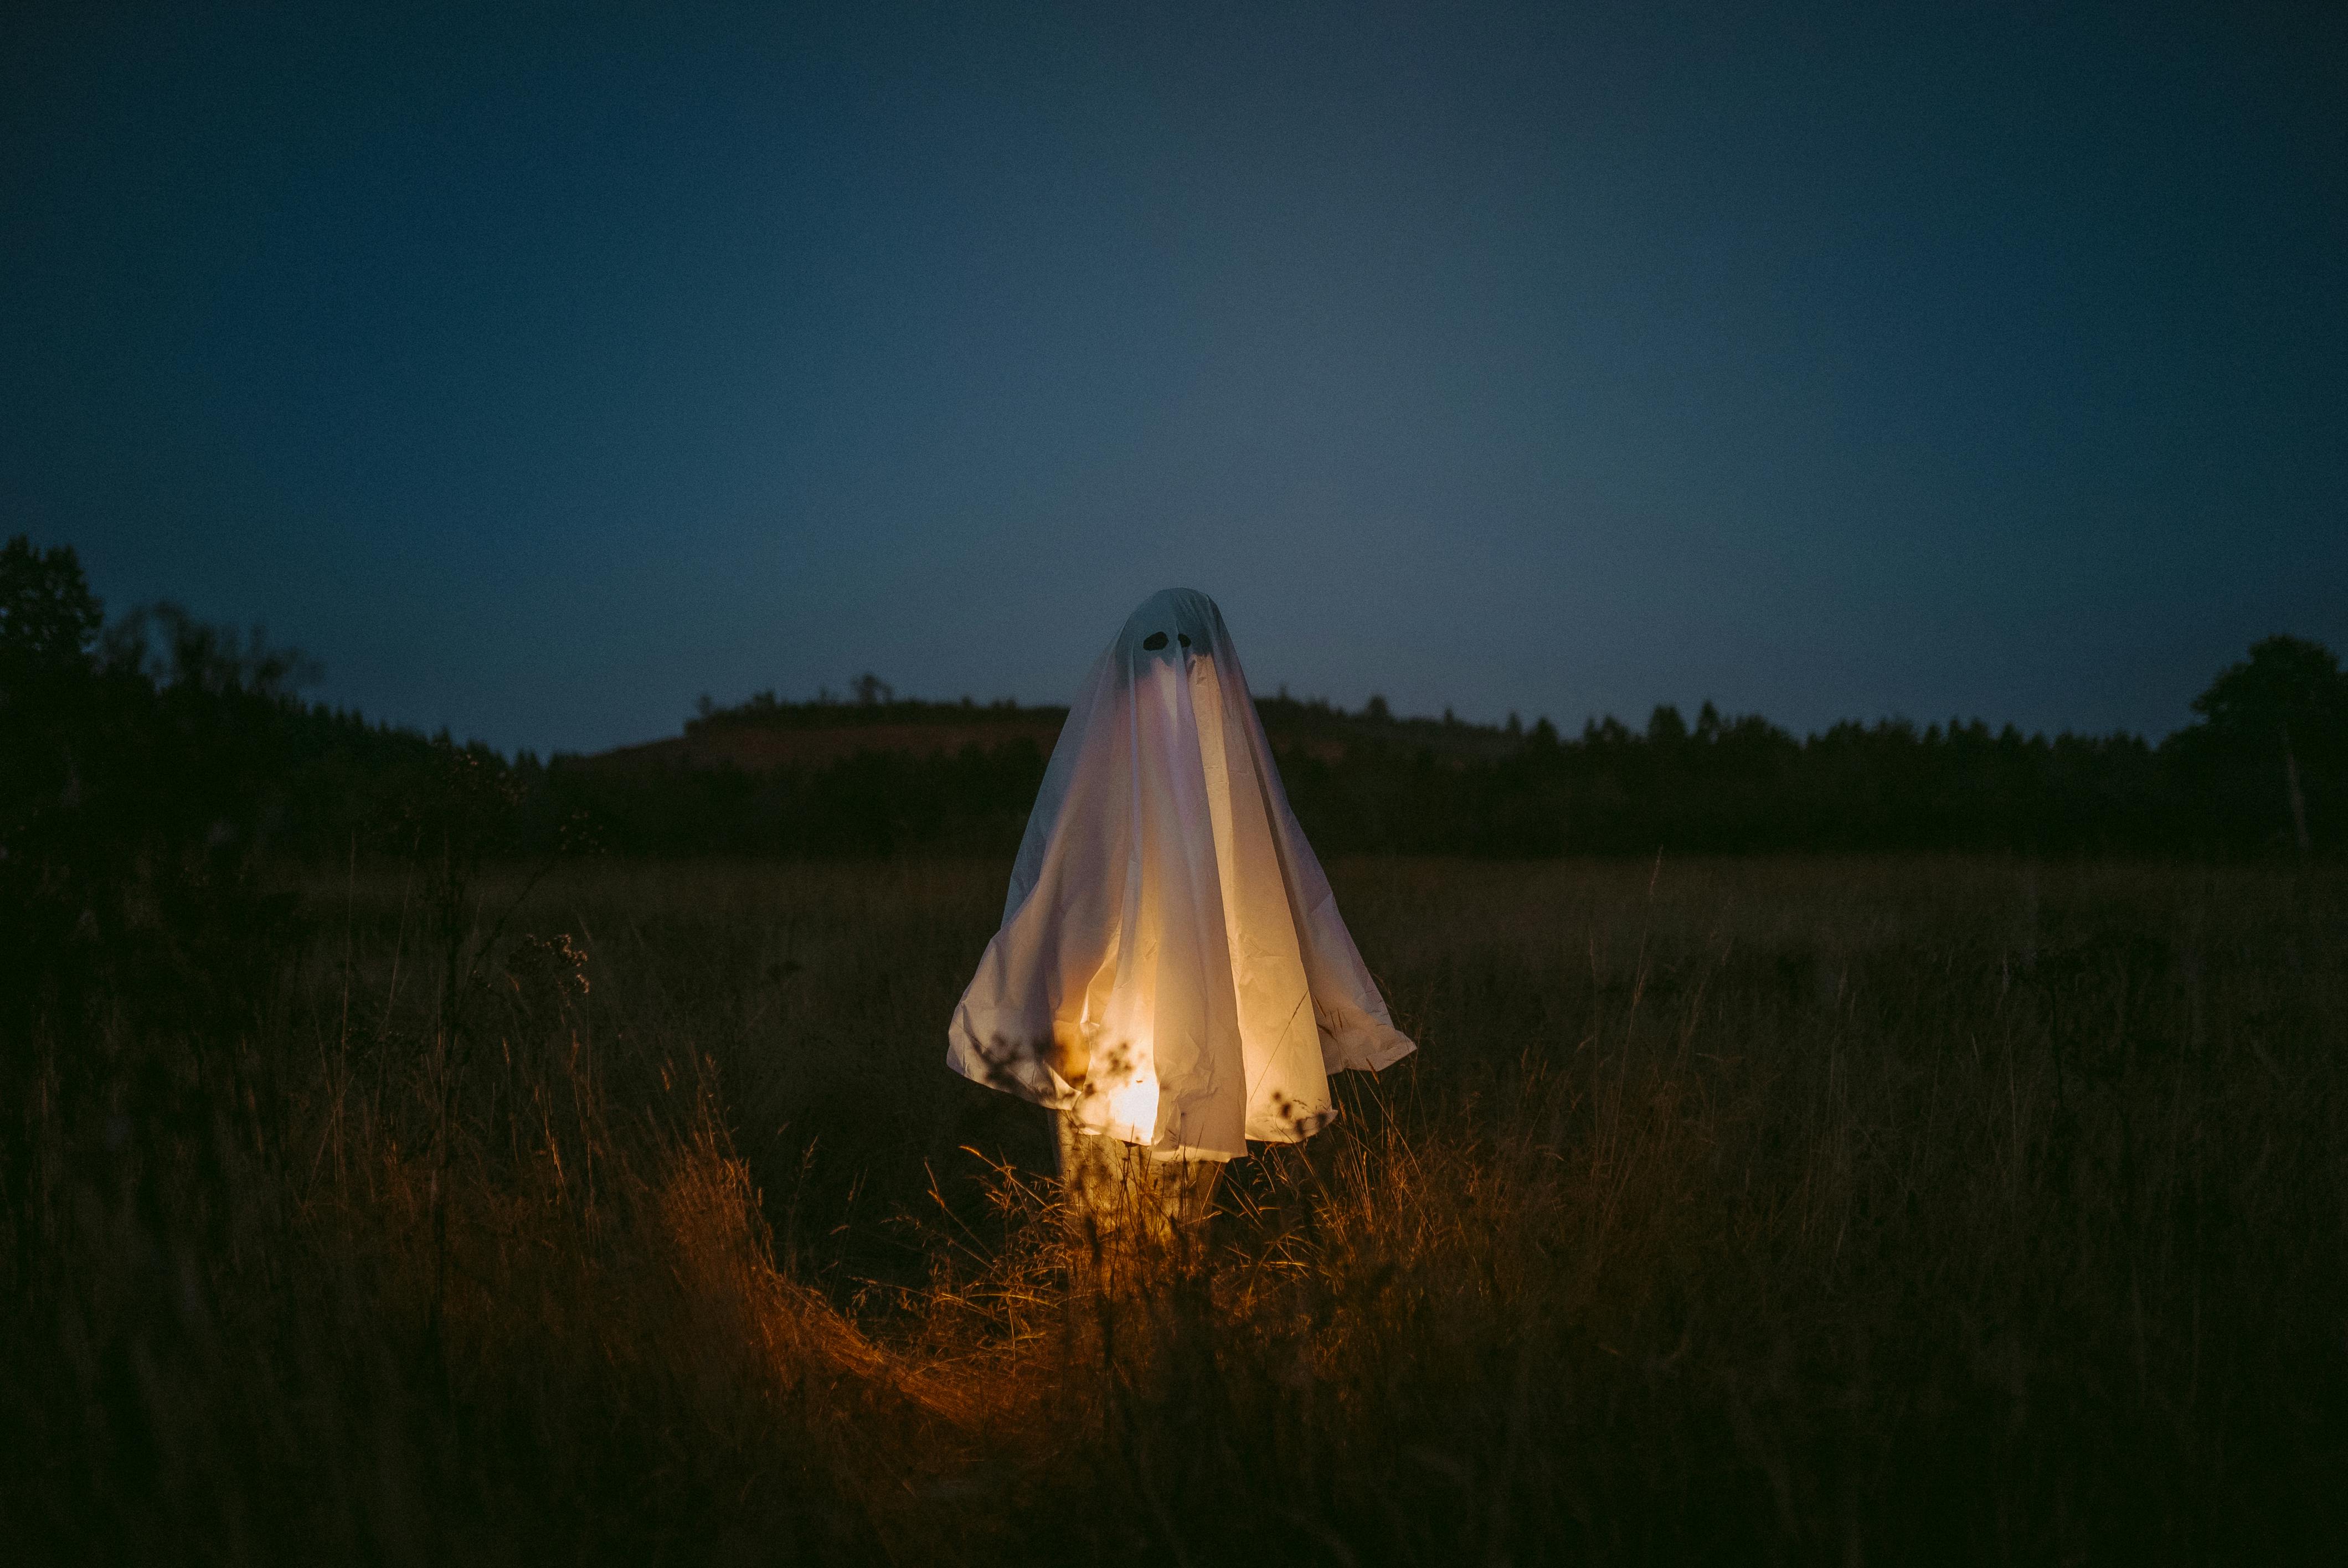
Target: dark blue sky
{"points": [[536, 374]]}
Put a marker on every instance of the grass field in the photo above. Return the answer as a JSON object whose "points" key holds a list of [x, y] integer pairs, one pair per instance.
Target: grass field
{"points": [[1750, 1210]]}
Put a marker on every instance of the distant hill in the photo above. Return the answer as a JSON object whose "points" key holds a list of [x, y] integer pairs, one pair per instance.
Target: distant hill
{"points": [[762, 737], [2266, 771], [764, 734]]}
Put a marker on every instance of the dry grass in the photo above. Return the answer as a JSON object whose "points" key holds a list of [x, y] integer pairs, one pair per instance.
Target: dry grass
{"points": [[1762, 1209]]}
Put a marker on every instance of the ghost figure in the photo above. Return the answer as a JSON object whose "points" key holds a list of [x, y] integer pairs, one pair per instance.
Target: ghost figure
{"points": [[1171, 973]]}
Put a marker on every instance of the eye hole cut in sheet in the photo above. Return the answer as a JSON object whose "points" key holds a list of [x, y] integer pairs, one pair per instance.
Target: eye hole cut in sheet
{"points": [[1171, 970]]}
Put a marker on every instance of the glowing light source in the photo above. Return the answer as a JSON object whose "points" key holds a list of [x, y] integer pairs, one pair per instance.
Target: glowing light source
{"points": [[1133, 1110]]}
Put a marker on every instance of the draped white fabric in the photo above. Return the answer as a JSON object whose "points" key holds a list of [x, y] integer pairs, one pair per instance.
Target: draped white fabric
{"points": [[1171, 969]]}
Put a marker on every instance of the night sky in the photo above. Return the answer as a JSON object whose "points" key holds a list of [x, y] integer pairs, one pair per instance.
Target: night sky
{"points": [[538, 373]]}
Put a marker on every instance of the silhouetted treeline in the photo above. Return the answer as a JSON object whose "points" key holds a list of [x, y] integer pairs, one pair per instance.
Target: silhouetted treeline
{"points": [[1734, 787], [165, 743], [2261, 772]]}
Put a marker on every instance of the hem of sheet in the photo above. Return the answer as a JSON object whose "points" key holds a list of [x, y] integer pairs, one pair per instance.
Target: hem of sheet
{"points": [[1368, 1047]]}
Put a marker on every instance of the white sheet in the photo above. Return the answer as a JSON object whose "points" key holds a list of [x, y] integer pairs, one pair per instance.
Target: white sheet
{"points": [[1171, 969]]}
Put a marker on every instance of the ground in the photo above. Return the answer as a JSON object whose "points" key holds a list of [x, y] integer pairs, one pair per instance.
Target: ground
{"points": [[1761, 1210]]}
